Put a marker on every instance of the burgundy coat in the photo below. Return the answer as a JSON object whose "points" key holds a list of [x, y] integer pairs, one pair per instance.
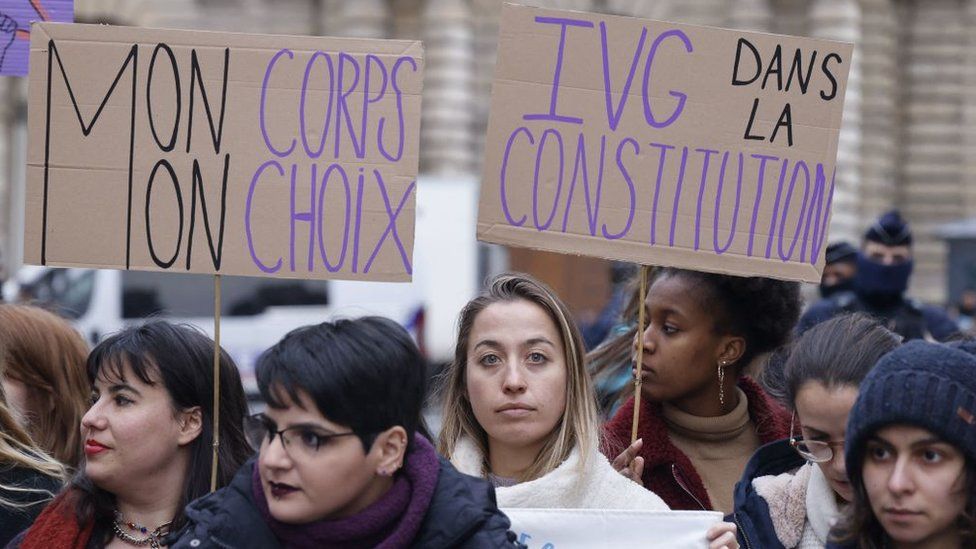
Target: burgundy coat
{"points": [[668, 472]]}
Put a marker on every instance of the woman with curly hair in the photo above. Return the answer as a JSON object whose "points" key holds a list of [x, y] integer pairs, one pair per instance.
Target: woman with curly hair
{"points": [[700, 418]]}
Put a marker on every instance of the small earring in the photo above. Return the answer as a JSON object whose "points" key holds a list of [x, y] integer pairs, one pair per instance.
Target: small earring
{"points": [[721, 382]]}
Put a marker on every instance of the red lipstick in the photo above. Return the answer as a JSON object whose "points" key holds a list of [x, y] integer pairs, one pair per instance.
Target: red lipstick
{"points": [[93, 447]]}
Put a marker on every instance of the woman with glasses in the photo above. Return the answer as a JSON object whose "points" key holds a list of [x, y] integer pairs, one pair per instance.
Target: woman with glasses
{"points": [[148, 441], [341, 461], [792, 490]]}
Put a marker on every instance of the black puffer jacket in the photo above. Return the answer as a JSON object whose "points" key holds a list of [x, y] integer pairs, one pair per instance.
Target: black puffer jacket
{"points": [[463, 513]]}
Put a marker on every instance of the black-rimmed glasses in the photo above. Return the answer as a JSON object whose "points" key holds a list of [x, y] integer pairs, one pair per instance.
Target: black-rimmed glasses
{"points": [[300, 441]]}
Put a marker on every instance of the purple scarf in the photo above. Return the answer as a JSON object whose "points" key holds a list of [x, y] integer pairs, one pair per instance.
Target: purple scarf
{"points": [[392, 522]]}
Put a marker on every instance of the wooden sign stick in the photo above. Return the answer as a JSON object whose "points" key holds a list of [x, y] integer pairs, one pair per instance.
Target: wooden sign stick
{"points": [[216, 386], [638, 377]]}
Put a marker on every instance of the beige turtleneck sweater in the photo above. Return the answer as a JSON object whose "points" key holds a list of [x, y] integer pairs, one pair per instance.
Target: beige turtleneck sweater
{"points": [[718, 447]]}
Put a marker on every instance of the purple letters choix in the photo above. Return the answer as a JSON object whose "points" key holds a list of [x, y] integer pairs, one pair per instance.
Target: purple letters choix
{"points": [[367, 80]]}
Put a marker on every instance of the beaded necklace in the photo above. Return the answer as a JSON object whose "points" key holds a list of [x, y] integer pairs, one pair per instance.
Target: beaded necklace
{"points": [[151, 538]]}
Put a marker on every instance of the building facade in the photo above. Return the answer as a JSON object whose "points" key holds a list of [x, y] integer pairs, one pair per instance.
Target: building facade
{"points": [[908, 138]]}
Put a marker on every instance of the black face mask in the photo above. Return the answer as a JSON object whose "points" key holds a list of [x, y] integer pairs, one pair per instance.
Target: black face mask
{"points": [[845, 285], [881, 282]]}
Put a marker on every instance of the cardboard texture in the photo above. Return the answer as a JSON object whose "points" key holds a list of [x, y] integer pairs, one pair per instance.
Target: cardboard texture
{"points": [[16, 17], [222, 153], [661, 143]]}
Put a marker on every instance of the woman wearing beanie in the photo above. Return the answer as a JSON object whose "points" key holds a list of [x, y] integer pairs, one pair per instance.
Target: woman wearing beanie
{"points": [[519, 409], [911, 451], [792, 490], [342, 463], [701, 418]]}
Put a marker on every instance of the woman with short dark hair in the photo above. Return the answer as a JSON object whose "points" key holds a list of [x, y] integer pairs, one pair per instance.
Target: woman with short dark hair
{"points": [[342, 462], [148, 440]]}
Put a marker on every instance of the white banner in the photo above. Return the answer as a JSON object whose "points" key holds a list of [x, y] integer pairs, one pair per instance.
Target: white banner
{"points": [[597, 528]]}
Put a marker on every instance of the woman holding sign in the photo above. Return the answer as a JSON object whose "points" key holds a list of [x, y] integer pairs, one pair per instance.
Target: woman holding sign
{"points": [[700, 419], [148, 440], [519, 409], [911, 451], [793, 490]]}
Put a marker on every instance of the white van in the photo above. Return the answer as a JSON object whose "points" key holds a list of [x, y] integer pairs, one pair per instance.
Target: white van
{"points": [[257, 312]]}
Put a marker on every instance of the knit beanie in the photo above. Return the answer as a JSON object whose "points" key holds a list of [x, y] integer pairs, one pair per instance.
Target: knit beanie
{"points": [[923, 384], [890, 229]]}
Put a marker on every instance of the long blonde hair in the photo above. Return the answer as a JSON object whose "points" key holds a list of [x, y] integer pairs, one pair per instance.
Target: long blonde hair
{"points": [[579, 426], [43, 351], [18, 450]]}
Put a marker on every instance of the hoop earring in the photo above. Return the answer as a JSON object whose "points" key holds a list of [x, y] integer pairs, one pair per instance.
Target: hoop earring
{"points": [[721, 382]]}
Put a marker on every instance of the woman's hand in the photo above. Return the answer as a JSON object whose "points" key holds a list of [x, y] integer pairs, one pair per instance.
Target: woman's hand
{"points": [[629, 464], [722, 536]]}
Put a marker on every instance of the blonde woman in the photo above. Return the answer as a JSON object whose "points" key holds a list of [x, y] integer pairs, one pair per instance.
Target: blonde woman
{"points": [[519, 409], [44, 378], [28, 477]]}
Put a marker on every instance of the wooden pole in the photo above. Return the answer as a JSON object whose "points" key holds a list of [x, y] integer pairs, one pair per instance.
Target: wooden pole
{"points": [[638, 374], [216, 386]]}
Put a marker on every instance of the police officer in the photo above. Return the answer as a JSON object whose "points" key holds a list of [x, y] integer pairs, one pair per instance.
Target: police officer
{"points": [[839, 269], [884, 265]]}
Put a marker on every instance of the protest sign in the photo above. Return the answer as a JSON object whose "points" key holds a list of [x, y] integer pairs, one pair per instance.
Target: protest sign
{"points": [[599, 528], [15, 20], [222, 153], [661, 143]]}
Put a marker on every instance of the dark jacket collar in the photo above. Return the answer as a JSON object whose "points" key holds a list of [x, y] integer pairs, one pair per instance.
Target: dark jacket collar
{"points": [[227, 518], [462, 507]]}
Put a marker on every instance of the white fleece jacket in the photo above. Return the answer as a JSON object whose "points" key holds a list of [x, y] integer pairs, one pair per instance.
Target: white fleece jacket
{"points": [[802, 505], [598, 486]]}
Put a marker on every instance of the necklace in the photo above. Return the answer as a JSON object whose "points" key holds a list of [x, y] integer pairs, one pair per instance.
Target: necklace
{"points": [[151, 538]]}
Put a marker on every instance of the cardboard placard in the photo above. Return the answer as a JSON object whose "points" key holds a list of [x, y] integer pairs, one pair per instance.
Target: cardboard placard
{"points": [[661, 143], [611, 529], [16, 17], [222, 153]]}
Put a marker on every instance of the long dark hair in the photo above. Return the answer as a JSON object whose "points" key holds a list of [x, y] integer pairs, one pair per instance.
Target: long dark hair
{"points": [[182, 358]]}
